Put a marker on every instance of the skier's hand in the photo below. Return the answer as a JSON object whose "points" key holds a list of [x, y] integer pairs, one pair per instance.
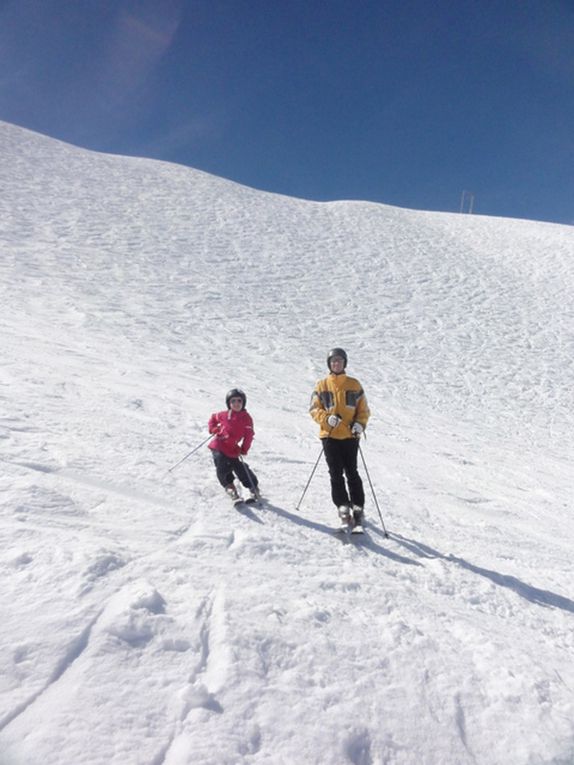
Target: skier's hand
{"points": [[215, 429], [333, 420], [357, 429]]}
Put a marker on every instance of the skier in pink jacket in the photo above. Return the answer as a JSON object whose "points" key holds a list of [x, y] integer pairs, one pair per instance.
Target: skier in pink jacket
{"points": [[233, 431]]}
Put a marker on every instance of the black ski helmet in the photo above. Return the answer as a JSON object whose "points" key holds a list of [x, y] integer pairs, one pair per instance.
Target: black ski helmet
{"points": [[337, 352], [235, 392]]}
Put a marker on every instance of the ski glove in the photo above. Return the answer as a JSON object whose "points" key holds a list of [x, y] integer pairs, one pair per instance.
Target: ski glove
{"points": [[333, 420], [357, 429]]}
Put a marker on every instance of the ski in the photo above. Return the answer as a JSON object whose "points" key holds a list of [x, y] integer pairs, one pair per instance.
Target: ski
{"points": [[240, 501]]}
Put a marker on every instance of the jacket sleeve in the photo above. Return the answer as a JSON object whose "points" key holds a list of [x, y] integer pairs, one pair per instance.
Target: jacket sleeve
{"points": [[362, 412], [213, 424], [248, 434], [317, 409]]}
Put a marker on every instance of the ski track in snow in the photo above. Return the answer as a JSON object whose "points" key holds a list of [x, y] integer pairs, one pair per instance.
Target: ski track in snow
{"points": [[149, 621]]}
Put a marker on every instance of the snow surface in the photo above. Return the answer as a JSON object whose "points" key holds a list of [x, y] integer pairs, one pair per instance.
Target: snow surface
{"points": [[146, 620]]}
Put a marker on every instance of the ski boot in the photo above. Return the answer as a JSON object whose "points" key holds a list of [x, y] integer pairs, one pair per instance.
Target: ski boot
{"points": [[358, 515], [232, 493], [254, 494], [345, 517]]}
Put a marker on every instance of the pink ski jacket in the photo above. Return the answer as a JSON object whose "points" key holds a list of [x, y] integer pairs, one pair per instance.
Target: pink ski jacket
{"points": [[230, 428]]}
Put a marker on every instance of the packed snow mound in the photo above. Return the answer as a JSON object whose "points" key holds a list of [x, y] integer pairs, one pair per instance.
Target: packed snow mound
{"points": [[148, 621]]}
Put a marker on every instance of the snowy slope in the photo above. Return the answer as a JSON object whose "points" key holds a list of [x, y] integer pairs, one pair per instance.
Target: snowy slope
{"points": [[146, 621]]}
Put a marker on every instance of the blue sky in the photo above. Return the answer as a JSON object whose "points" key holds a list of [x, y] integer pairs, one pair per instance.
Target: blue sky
{"points": [[405, 102]]}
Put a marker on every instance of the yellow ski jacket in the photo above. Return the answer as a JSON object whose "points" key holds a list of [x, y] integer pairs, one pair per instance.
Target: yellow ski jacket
{"points": [[341, 395]]}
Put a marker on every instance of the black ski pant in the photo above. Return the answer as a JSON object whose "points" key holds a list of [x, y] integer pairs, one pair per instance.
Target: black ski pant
{"points": [[229, 467], [341, 456]]}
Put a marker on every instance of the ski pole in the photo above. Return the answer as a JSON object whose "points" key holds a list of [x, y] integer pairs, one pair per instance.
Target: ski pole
{"points": [[373, 491], [190, 453], [247, 470], [310, 478]]}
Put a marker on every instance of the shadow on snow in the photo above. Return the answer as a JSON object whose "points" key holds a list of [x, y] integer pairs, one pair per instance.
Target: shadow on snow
{"points": [[365, 541], [528, 592]]}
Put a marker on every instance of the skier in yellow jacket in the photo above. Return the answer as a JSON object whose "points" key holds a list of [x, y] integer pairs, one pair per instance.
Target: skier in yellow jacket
{"points": [[339, 406]]}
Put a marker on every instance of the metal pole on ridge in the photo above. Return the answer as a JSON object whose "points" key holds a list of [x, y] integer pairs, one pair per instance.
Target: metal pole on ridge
{"points": [[373, 491], [191, 452], [310, 478]]}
